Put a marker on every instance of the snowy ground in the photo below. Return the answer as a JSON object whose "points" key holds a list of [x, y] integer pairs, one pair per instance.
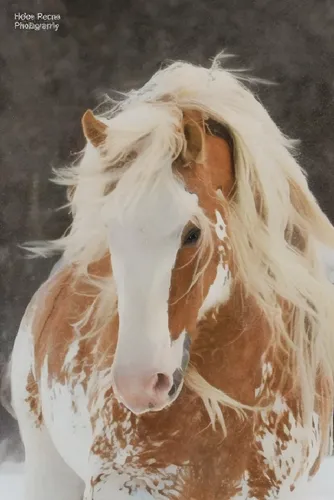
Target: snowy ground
{"points": [[322, 488]]}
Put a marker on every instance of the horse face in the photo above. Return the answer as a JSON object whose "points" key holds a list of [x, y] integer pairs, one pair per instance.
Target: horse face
{"points": [[167, 280], [149, 361]]}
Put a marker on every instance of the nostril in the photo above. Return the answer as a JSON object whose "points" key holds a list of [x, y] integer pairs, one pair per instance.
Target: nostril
{"points": [[162, 383]]}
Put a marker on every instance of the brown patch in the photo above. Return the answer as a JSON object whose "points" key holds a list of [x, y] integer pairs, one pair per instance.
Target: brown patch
{"points": [[33, 399], [185, 300], [95, 481], [65, 300], [219, 158], [207, 164]]}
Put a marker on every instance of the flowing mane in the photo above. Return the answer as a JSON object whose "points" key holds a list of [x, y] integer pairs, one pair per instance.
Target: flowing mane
{"points": [[275, 222]]}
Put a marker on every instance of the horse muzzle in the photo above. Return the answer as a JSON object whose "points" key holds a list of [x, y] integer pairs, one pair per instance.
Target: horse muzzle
{"points": [[149, 390]]}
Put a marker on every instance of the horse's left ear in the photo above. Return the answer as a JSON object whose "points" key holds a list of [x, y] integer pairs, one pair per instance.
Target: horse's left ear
{"points": [[95, 131]]}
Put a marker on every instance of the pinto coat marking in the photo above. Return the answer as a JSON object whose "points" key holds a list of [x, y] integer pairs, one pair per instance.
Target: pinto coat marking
{"points": [[157, 452], [245, 294]]}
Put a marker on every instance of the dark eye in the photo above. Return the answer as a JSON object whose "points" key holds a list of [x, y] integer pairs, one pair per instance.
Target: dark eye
{"points": [[192, 237]]}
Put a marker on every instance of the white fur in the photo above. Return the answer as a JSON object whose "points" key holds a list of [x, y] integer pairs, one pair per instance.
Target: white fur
{"points": [[67, 418]]}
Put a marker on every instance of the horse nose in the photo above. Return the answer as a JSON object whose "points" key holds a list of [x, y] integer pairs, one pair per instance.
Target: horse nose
{"points": [[141, 392]]}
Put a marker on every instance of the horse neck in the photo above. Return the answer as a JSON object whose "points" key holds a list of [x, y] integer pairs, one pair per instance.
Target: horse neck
{"points": [[232, 347]]}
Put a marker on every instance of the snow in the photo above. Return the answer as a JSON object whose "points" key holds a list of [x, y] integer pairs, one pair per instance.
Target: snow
{"points": [[11, 481], [322, 487]]}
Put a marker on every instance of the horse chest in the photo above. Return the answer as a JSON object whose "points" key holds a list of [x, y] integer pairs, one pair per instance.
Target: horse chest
{"points": [[94, 434], [279, 458]]}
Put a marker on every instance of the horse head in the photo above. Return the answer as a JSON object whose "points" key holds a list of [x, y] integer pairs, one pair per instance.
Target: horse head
{"points": [[170, 253]]}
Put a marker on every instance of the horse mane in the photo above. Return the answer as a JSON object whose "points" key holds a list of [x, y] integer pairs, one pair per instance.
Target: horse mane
{"points": [[275, 222]]}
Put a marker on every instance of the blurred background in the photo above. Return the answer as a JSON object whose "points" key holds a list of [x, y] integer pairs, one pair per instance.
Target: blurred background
{"points": [[49, 78]]}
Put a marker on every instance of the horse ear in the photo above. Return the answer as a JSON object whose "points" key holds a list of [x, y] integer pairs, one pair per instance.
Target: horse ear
{"points": [[95, 131], [194, 133]]}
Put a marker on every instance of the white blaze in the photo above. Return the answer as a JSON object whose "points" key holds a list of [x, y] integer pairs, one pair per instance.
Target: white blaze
{"points": [[143, 244]]}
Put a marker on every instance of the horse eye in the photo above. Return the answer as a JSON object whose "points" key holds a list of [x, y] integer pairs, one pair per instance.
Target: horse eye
{"points": [[192, 237]]}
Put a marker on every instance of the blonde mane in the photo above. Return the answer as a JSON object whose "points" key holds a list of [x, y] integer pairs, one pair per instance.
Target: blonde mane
{"points": [[271, 209]]}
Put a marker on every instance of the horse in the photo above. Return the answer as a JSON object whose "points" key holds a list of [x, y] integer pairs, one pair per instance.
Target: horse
{"points": [[183, 347]]}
